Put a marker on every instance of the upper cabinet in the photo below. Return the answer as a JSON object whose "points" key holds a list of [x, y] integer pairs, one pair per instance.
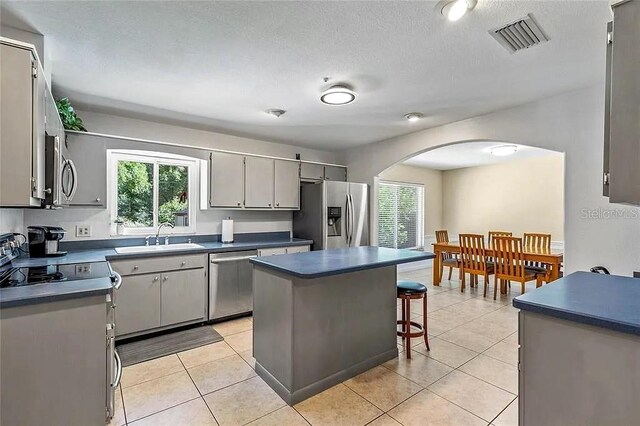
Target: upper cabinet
{"points": [[251, 182], [336, 173], [287, 184], [622, 107], [259, 188], [90, 153], [315, 172], [22, 126], [226, 186]]}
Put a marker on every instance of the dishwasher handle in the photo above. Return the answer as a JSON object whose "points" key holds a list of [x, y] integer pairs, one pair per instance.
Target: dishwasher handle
{"points": [[231, 259]]}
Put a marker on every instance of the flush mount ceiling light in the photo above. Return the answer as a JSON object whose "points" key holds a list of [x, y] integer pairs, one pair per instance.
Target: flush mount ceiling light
{"points": [[504, 150], [275, 112], [414, 116], [338, 94], [455, 9]]}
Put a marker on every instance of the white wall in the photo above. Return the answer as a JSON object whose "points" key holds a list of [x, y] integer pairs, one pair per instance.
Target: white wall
{"points": [[11, 220], [432, 181], [572, 123], [134, 128], [207, 221], [517, 196]]}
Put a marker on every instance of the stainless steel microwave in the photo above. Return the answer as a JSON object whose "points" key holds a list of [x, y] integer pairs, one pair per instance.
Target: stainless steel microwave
{"points": [[61, 177]]}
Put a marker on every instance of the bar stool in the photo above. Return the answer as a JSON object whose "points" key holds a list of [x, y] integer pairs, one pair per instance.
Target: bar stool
{"points": [[408, 291]]}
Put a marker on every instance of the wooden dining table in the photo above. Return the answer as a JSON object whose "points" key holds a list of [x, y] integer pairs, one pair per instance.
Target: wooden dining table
{"points": [[551, 257]]}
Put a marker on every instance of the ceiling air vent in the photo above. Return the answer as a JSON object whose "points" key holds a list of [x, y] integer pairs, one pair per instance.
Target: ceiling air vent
{"points": [[519, 35]]}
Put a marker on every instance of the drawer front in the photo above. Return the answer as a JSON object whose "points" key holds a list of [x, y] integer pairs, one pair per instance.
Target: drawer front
{"points": [[272, 251], [297, 249], [156, 264]]}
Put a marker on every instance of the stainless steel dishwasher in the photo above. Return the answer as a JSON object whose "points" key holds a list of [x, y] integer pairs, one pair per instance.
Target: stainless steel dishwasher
{"points": [[230, 283]]}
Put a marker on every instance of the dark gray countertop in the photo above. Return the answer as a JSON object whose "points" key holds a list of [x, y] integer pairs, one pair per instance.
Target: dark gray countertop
{"points": [[39, 293], [607, 301], [49, 292], [100, 255], [324, 263]]}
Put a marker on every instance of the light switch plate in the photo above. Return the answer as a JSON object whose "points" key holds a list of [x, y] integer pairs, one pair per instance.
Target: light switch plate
{"points": [[83, 231], [83, 268]]}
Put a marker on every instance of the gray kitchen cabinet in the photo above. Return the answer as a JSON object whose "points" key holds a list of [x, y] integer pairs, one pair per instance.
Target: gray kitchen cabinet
{"points": [[90, 157], [54, 363], [287, 184], [311, 171], [336, 173], [22, 127], [297, 249], [182, 296], [138, 304], [259, 177], [226, 186], [159, 293], [622, 107]]}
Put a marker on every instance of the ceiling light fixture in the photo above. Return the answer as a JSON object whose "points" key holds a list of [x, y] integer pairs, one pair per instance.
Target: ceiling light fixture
{"points": [[338, 94], [275, 112], [504, 150], [414, 116], [455, 9]]}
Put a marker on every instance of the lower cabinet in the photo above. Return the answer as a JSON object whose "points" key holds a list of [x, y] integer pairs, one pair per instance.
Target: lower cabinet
{"points": [[282, 250], [182, 296], [159, 300], [138, 304]]}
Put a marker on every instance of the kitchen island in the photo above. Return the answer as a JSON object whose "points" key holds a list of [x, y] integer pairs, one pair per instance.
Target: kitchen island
{"points": [[580, 351], [322, 317]]}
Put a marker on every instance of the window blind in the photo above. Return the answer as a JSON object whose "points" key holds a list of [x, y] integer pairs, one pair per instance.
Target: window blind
{"points": [[400, 215]]}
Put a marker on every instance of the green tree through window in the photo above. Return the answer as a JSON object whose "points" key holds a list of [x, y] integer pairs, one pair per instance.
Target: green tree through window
{"points": [[151, 191]]}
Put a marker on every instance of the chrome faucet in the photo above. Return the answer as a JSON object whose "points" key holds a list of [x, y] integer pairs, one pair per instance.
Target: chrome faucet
{"points": [[160, 228]]}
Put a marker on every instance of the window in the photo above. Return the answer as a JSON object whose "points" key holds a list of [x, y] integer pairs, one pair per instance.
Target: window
{"points": [[400, 215], [148, 189]]}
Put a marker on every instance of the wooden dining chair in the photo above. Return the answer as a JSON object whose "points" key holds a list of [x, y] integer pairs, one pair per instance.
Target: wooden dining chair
{"points": [[473, 260], [538, 243], [497, 234], [448, 259], [509, 264]]}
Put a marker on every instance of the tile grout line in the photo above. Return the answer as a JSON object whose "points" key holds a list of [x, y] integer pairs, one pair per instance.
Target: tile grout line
{"points": [[477, 355], [198, 389]]}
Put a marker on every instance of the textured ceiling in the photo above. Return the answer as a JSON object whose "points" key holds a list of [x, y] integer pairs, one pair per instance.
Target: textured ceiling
{"points": [[219, 65], [471, 154]]}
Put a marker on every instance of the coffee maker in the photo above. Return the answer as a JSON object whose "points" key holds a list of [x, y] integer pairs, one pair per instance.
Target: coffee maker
{"points": [[43, 241]]}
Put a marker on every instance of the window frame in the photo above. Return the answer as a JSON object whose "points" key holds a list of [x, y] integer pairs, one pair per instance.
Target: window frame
{"points": [[157, 159], [421, 212]]}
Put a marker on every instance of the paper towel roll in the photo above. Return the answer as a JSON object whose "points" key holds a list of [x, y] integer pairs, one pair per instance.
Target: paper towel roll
{"points": [[227, 231]]}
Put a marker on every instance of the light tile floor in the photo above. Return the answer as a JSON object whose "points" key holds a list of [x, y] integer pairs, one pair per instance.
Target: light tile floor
{"points": [[469, 377]]}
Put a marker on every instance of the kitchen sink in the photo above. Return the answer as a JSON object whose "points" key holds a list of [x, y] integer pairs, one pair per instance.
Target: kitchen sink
{"points": [[158, 248]]}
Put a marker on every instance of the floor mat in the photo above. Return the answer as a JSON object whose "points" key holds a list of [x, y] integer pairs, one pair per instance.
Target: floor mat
{"points": [[167, 344]]}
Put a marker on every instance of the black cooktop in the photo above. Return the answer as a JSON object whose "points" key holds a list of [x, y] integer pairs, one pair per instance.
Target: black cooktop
{"points": [[15, 277]]}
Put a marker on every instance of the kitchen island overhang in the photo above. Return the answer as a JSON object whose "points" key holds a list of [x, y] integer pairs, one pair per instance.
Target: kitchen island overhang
{"points": [[325, 316]]}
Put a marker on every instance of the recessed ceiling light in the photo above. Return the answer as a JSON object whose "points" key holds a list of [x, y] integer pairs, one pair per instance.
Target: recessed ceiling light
{"points": [[338, 94], [455, 9], [414, 116], [275, 112], [504, 150]]}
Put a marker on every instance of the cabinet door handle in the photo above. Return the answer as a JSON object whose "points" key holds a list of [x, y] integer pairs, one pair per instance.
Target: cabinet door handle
{"points": [[136, 267], [277, 204], [184, 262], [155, 279], [238, 204], [165, 278]]}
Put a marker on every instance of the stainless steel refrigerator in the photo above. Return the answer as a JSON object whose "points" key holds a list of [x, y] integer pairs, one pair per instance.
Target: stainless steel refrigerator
{"points": [[333, 215]]}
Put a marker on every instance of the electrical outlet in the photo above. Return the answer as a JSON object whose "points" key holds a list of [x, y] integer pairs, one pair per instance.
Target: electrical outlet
{"points": [[83, 268], [83, 231]]}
